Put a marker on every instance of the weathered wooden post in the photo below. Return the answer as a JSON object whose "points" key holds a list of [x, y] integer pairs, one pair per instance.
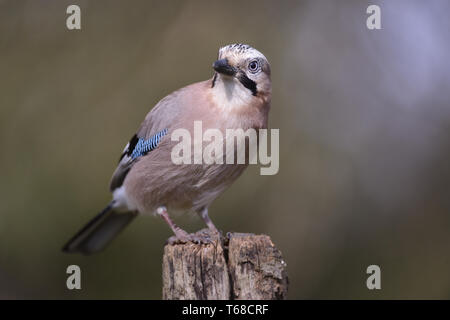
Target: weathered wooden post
{"points": [[241, 266]]}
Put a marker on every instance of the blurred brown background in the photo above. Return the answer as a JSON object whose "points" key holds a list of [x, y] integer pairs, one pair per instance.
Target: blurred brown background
{"points": [[364, 120]]}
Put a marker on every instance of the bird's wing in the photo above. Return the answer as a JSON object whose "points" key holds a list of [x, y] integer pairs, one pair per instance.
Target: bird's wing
{"points": [[153, 129], [136, 148]]}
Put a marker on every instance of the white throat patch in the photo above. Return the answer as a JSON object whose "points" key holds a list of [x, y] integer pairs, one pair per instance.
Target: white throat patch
{"points": [[229, 94]]}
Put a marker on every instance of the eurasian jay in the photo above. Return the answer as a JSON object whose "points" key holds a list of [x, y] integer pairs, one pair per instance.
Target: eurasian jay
{"points": [[148, 181]]}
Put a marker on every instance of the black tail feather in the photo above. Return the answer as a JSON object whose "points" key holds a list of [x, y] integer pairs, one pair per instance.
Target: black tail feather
{"points": [[99, 232]]}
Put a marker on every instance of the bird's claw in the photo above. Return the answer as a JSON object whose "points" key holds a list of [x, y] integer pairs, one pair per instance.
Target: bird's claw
{"points": [[200, 237]]}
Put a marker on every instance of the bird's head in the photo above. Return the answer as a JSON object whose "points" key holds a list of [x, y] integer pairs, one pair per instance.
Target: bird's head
{"points": [[242, 71]]}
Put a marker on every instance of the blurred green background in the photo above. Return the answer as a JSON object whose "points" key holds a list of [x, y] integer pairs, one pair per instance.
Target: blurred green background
{"points": [[364, 120]]}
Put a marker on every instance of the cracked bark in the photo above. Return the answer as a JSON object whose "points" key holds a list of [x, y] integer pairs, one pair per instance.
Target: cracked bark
{"points": [[240, 266]]}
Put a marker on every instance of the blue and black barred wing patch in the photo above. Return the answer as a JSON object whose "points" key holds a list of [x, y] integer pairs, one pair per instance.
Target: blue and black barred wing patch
{"points": [[142, 146], [137, 147]]}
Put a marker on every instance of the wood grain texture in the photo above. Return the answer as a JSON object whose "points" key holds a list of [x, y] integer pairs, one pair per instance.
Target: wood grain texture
{"points": [[240, 266]]}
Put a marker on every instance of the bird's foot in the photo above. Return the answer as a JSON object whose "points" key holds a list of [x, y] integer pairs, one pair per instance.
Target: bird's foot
{"points": [[204, 236]]}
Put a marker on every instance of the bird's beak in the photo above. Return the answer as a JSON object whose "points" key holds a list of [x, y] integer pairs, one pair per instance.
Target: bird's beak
{"points": [[222, 66]]}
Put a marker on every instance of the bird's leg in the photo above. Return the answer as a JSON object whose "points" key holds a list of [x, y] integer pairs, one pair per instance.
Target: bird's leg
{"points": [[204, 214], [180, 234], [207, 235]]}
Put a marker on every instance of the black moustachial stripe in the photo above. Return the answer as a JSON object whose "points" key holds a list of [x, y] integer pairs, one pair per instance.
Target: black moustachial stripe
{"points": [[214, 80], [248, 83]]}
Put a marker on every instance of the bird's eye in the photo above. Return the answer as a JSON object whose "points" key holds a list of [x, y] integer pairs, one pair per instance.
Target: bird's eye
{"points": [[253, 66]]}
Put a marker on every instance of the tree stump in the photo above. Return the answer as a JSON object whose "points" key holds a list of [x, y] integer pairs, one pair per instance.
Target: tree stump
{"points": [[240, 266]]}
